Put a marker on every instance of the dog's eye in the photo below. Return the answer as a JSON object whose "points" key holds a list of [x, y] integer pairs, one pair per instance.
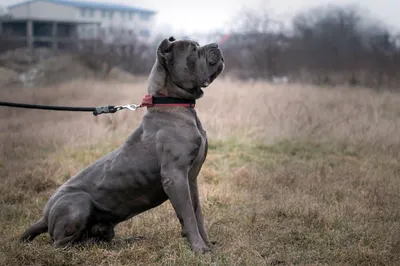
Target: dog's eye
{"points": [[194, 49]]}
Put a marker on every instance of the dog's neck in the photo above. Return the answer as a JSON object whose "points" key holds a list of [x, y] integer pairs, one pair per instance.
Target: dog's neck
{"points": [[160, 84]]}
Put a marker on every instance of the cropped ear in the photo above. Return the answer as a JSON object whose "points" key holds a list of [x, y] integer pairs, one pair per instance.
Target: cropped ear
{"points": [[164, 50]]}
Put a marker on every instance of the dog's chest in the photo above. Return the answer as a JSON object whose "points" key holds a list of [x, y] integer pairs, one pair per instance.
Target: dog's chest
{"points": [[201, 154]]}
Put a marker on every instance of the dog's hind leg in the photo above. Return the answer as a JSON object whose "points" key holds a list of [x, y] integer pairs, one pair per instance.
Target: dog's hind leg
{"points": [[34, 230], [102, 232], [69, 218]]}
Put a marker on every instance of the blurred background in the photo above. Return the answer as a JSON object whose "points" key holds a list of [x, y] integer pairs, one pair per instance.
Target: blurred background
{"points": [[318, 42]]}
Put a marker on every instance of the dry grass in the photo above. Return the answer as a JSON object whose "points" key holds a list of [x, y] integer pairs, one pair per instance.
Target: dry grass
{"points": [[295, 175]]}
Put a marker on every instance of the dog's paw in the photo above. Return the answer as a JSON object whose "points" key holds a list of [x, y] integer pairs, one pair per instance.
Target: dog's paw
{"points": [[201, 249]]}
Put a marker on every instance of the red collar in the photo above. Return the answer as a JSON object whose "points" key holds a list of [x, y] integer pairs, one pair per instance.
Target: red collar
{"points": [[151, 101]]}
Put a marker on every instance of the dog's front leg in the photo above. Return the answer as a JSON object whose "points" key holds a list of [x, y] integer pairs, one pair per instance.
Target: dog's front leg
{"points": [[194, 192], [176, 186]]}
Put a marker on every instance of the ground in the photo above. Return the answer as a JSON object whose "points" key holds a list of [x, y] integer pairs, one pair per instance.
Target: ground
{"points": [[295, 175]]}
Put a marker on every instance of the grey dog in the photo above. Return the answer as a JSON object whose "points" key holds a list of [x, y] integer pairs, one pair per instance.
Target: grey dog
{"points": [[159, 161]]}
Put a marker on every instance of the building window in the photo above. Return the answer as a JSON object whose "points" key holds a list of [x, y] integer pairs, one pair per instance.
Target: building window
{"points": [[110, 14], [83, 12], [90, 32], [104, 13], [130, 15], [122, 15], [144, 16], [91, 12]]}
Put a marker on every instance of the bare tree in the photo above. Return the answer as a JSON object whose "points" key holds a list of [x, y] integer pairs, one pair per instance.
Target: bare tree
{"points": [[125, 51], [331, 44], [255, 44]]}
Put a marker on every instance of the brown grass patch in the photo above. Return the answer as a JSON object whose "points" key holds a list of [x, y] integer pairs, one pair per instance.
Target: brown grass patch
{"points": [[296, 175]]}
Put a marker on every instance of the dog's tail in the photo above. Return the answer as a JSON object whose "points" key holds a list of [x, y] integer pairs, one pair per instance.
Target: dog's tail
{"points": [[34, 230]]}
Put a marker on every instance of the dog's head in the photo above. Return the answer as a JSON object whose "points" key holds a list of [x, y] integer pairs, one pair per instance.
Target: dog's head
{"points": [[190, 66]]}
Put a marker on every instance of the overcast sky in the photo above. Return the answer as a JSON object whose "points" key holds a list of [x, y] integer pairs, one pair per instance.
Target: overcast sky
{"points": [[205, 15]]}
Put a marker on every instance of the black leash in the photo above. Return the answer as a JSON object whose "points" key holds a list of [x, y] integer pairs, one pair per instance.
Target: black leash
{"points": [[95, 110], [148, 101]]}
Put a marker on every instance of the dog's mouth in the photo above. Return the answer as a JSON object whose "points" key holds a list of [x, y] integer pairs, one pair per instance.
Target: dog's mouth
{"points": [[207, 83], [213, 76]]}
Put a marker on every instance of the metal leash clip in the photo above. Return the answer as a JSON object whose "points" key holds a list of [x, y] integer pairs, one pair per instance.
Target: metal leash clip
{"points": [[131, 107]]}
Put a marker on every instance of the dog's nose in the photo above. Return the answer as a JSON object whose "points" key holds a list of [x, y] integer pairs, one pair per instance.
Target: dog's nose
{"points": [[214, 45]]}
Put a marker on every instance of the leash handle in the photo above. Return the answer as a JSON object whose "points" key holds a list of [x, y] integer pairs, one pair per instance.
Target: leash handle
{"points": [[104, 110]]}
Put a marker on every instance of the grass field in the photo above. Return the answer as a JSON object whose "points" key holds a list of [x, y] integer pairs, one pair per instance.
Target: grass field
{"points": [[295, 175]]}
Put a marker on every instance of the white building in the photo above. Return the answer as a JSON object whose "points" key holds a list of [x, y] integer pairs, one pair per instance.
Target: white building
{"points": [[3, 11], [111, 22]]}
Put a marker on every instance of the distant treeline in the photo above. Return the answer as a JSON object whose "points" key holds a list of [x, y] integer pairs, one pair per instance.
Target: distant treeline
{"points": [[326, 45]]}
